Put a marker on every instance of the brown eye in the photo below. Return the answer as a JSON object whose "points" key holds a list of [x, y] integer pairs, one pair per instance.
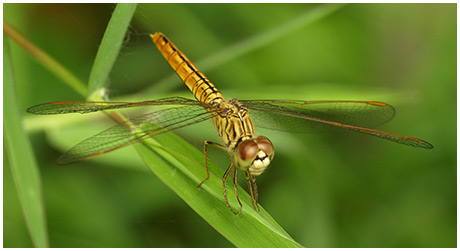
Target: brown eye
{"points": [[247, 150], [265, 145]]}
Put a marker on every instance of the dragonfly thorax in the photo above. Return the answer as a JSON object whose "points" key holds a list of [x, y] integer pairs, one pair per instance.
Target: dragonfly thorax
{"points": [[233, 123], [254, 155]]}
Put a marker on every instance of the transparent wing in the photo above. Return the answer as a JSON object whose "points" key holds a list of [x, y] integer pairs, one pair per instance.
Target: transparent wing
{"points": [[293, 116], [322, 116], [63, 107], [135, 130]]}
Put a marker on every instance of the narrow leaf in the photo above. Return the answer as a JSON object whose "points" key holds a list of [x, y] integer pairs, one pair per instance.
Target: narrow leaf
{"points": [[257, 41], [23, 166], [182, 169], [46, 60], [110, 47]]}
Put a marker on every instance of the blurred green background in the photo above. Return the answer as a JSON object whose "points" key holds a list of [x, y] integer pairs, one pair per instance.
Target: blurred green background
{"points": [[326, 190]]}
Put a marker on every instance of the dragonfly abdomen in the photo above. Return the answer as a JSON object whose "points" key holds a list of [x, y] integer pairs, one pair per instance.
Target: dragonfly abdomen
{"points": [[196, 81]]}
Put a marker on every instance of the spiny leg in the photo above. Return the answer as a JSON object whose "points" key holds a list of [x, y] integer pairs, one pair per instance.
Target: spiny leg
{"points": [[225, 190], [206, 143], [251, 192], [230, 168], [235, 186], [254, 184]]}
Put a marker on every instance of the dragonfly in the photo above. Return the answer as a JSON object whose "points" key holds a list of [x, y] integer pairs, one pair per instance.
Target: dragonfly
{"points": [[233, 120]]}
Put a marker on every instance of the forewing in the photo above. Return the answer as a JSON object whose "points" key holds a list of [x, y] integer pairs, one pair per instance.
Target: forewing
{"points": [[320, 116], [63, 107], [135, 130], [302, 116]]}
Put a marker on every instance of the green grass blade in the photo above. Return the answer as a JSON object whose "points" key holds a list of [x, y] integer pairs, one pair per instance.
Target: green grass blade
{"points": [[258, 41], [46, 60], [263, 39], [22, 161], [182, 169], [110, 47]]}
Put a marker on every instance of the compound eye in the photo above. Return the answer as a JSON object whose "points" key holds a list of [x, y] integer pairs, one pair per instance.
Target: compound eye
{"points": [[248, 149], [265, 145]]}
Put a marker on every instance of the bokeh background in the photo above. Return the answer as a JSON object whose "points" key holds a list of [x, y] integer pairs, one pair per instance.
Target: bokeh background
{"points": [[326, 190]]}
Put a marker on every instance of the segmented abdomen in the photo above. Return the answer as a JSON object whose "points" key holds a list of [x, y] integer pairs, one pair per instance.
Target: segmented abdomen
{"points": [[202, 89]]}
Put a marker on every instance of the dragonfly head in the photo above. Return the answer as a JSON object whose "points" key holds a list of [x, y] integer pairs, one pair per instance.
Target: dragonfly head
{"points": [[254, 155]]}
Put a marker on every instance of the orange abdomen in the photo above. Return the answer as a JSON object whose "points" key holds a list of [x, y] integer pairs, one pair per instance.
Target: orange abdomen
{"points": [[202, 89]]}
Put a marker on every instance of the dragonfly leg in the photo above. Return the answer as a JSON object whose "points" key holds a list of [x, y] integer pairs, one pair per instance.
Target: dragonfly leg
{"points": [[225, 190], [206, 144], [235, 186], [254, 184], [252, 190]]}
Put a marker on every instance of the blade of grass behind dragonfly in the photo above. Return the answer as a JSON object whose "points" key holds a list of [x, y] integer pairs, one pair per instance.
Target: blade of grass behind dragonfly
{"points": [[183, 168], [109, 48], [21, 158], [257, 41], [46, 60]]}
